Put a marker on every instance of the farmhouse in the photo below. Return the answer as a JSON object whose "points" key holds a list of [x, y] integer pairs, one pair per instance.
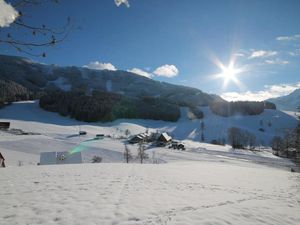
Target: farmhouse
{"points": [[4, 125], [164, 139], [53, 158], [139, 138], [2, 163]]}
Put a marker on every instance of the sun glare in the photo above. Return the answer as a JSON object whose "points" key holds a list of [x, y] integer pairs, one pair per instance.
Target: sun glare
{"points": [[228, 73]]}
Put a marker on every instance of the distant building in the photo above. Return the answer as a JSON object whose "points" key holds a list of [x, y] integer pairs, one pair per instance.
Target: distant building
{"points": [[4, 125], [82, 132], [144, 137], [164, 139], [54, 158], [2, 163]]}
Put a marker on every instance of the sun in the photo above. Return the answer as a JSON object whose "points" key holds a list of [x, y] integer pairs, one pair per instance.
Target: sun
{"points": [[229, 73]]}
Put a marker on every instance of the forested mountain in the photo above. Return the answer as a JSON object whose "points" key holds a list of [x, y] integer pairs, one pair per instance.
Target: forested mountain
{"points": [[37, 77], [93, 95]]}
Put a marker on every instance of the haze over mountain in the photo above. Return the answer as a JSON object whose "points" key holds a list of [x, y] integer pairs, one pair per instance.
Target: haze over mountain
{"points": [[289, 102]]}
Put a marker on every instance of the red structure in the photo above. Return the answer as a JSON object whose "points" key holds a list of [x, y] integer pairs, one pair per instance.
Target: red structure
{"points": [[2, 163]]}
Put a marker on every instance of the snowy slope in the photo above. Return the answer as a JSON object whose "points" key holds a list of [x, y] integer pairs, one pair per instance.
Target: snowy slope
{"points": [[179, 193], [59, 133], [289, 102], [206, 184]]}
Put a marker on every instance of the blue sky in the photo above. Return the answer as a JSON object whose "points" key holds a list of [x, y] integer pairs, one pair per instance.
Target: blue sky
{"points": [[181, 41]]}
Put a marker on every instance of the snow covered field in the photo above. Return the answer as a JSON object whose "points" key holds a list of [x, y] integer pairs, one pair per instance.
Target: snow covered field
{"points": [[206, 184], [174, 193]]}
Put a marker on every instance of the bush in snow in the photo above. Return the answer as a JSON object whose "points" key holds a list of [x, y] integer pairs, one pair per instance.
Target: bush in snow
{"points": [[96, 159], [226, 109]]}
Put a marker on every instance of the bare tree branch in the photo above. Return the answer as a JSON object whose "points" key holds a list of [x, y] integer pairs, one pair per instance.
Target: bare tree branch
{"points": [[50, 36], [23, 3]]}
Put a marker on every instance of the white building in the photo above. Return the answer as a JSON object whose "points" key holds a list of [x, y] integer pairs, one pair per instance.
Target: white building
{"points": [[53, 158]]}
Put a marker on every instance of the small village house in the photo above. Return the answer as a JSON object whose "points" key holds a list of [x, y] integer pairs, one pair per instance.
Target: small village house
{"points": [[164, 139], [139, 138]]}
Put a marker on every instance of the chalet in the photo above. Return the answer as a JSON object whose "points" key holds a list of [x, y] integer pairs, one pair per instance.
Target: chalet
{"points": [[54, 158], [139, 138], [164, 139], [4, 125], [2, 163]]}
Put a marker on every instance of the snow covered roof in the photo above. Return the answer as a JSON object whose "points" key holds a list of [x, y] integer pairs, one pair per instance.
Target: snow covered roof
{"points": [[165, 136], [143, 135]]}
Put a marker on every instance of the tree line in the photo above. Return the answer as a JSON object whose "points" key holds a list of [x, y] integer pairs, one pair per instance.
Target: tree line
{"points": [[288, 145], [223, 108], [107, 106], [11, 91], [239, 138]]}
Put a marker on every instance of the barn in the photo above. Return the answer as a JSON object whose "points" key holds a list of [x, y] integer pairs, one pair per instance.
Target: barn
{"points": [[54, 158]]}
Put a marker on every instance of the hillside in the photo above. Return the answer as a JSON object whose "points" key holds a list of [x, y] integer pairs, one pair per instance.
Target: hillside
{"points": [[39, 77], [94, 95], [205, 184], [61, 133], [289, 102]]}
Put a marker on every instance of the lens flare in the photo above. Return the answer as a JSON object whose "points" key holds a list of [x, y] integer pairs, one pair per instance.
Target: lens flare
{"points": [[82, 146], [229, 73]]}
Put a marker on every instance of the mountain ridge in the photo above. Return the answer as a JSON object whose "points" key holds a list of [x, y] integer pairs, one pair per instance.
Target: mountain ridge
{"points": [[289, 102], [104, 95], [27, 73]]}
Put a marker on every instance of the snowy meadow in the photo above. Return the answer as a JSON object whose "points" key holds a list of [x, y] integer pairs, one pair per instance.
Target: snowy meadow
{"points": [[205, 184]]}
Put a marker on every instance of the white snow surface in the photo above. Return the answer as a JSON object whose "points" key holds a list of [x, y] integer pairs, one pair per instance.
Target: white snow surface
{"points": [[61, 83], [206, 184], [175, 193]]}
